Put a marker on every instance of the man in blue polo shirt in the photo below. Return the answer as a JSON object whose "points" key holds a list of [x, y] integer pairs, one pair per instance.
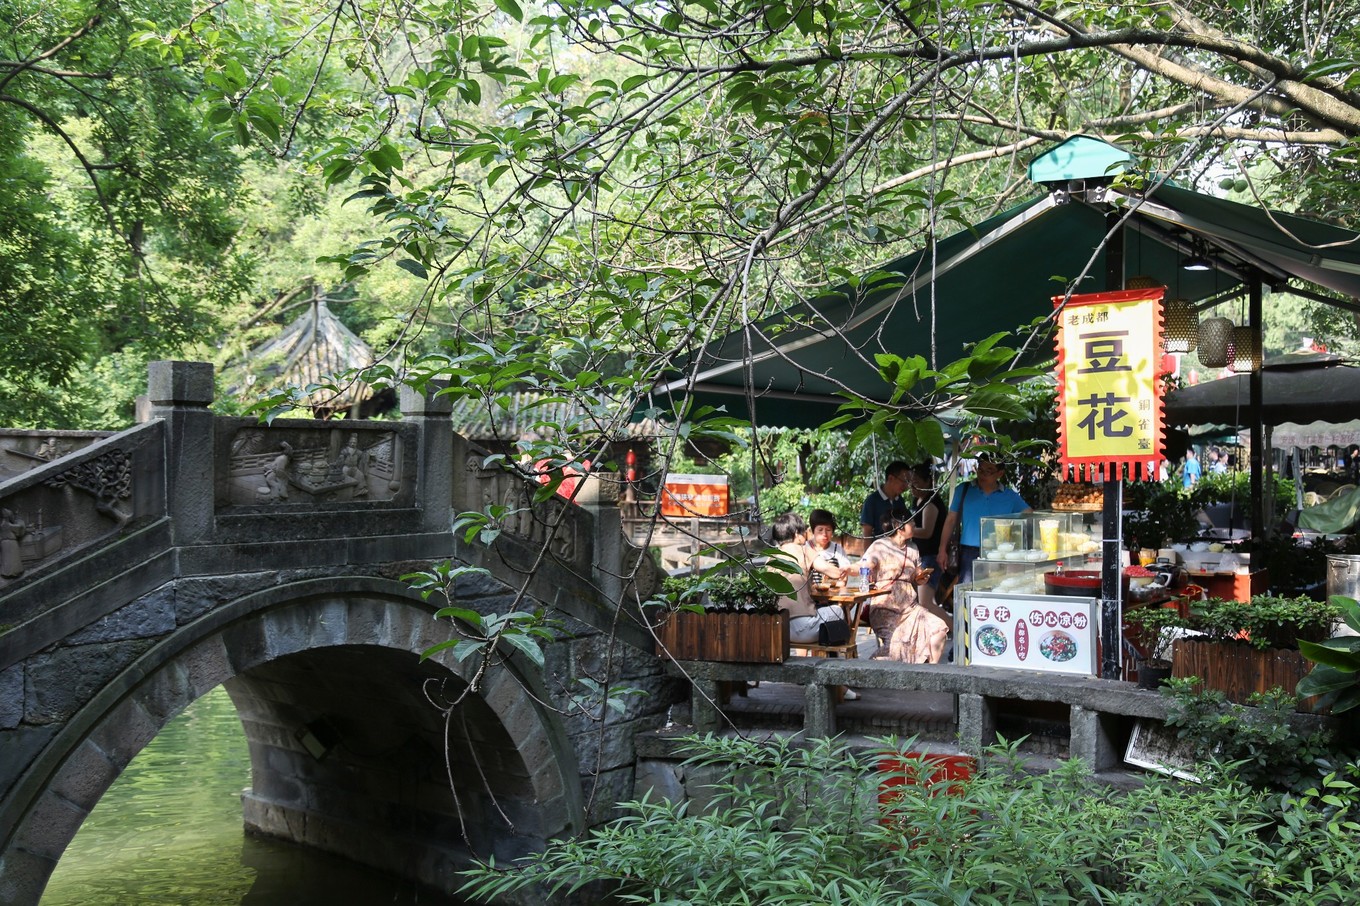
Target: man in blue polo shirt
{"points": [[973, 500]]}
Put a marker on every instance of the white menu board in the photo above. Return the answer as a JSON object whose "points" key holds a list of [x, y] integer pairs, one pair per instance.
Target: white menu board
{"points": [[1053, 633]]}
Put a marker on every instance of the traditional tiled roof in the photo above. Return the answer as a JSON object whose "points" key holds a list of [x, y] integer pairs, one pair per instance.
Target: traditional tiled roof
{"points": [[526, 412], [309, 350]]}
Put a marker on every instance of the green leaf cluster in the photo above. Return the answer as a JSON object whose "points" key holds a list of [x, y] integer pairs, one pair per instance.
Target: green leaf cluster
{"points": [[1336, 672], [817, 822]]}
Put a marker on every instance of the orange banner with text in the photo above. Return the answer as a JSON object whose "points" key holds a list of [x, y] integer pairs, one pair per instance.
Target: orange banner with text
{"points": [[1109, 391], [694, 495]]}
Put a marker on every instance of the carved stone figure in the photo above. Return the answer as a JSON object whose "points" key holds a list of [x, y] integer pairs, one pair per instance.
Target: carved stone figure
{"points": [[354, 467], [276, 474], [51, 449], [12, 528]]}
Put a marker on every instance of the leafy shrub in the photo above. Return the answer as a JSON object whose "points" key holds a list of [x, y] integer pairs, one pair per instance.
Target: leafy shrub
{"points": [[1336, 672], [1227, 487], [1266, 621], [746, 591], [791, 824], [1152, 627], [1293, 568], [1258, 743], [1157, 513]]}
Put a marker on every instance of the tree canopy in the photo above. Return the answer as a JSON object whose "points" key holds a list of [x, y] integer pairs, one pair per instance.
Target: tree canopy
{"points": [[624, 182], [591, 188]]}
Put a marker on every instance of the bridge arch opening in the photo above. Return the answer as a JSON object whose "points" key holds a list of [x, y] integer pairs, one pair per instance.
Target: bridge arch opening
{"points": [[351, 749]]}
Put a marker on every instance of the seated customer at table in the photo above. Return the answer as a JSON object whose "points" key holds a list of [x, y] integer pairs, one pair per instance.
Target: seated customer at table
{"points": [[829, 560], [789, 532], [906, 631]]}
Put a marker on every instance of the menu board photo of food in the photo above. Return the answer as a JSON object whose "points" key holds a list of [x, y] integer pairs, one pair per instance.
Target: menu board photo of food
{"points": [[1036, 632]]}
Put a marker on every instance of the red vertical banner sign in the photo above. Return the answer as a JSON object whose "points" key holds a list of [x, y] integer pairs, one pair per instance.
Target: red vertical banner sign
{"points": [[1109, 390]]}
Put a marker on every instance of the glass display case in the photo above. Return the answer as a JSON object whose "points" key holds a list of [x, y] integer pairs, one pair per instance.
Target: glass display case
{"points": [[1025, 576], [1039, 536]]}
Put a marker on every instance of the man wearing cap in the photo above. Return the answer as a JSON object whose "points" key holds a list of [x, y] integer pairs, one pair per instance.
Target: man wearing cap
{"points": [[973, 501]]}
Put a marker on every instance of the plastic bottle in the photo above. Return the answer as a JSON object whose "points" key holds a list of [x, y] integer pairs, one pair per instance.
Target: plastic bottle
{"points": [[864, 578]]}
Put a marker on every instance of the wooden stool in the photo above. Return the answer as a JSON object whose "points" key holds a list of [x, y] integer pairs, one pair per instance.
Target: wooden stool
{"points": [[850, 649]]}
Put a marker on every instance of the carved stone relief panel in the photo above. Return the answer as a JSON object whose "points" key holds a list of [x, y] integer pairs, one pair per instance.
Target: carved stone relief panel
{"points": [[89, 500], [107, 478], [525, 519], [21, 451], [287, 465]]}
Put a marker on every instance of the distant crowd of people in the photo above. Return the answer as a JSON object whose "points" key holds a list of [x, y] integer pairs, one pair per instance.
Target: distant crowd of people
{"points": [[1192, 471]]}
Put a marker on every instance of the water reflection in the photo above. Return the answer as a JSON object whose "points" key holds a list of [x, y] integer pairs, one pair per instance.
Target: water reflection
{"points": [[169, 831]]}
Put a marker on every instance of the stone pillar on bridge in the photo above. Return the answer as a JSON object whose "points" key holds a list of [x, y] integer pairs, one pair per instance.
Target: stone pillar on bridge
{"points": [[179, 394], [434, 480]]}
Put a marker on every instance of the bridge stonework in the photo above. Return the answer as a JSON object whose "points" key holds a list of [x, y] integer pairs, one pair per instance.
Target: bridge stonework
{"points": [[196, 551]]}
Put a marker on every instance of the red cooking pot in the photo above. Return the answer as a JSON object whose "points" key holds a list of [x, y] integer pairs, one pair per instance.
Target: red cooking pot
{"points": [[1077, 583]]}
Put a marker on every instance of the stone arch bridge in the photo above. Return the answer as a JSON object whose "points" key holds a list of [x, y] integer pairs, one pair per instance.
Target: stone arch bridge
{"points": [[141, 569]]}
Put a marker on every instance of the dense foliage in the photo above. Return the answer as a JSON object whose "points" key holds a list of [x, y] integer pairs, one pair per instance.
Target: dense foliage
{"points": [[791, 824], [1257, 741], [117, 209]]}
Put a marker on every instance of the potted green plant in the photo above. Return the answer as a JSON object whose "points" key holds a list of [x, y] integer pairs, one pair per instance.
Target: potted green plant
{"points": [[1153, 631], [1252, 646], [734, 618]]}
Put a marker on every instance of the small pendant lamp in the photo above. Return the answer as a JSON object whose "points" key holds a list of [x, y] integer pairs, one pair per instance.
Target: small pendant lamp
{"points": [[1180, 326], [1246, 352], [1215, 336]]}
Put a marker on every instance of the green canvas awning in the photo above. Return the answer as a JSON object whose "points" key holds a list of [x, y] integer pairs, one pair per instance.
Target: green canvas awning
{"points": [[998, 275], [1295, 388]]}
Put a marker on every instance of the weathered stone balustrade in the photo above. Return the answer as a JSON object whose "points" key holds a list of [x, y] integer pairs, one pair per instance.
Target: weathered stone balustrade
{"points": [[1099, 708]]}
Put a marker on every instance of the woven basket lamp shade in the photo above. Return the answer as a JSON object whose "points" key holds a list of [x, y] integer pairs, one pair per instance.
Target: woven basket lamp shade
{"points": [[1141, 282], [1215, 336], [1246, 353], [1180, 327]]}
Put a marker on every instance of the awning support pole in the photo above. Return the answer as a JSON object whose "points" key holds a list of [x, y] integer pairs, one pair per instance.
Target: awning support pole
{"points": [[1256, 396], [1112, 545]]}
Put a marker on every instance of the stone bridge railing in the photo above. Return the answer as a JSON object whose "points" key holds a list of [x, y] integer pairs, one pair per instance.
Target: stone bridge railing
{"points": [[187, 493], [69, 526], [21, 450]]}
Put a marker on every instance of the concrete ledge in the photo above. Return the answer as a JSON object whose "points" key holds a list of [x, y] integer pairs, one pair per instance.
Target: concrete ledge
{"points": [[293, 553], [1090, 693], [107, 583]]}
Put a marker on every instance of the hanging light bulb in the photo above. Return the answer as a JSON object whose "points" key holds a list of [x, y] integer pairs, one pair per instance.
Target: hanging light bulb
{"points": [[1215, 335], [1180, 326], [1198, 261], [1246, 352]]}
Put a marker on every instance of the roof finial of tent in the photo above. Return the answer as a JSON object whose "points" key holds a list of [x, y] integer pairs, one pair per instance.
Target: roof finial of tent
{"points": [[1078, 164]]}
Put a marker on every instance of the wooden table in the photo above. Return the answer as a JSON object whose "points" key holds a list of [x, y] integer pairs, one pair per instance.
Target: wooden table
{"points": [[850, 600]]}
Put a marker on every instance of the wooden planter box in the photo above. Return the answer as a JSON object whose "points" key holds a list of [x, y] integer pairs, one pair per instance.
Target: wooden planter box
{"points": [[744, 638], [1236, 668]]}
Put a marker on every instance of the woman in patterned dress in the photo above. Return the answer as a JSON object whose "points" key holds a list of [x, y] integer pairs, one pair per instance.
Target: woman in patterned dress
{"points": [[906, 631]]}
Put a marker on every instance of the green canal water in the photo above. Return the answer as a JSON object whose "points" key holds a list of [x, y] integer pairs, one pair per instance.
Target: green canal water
{"points": [[169, 832]]}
